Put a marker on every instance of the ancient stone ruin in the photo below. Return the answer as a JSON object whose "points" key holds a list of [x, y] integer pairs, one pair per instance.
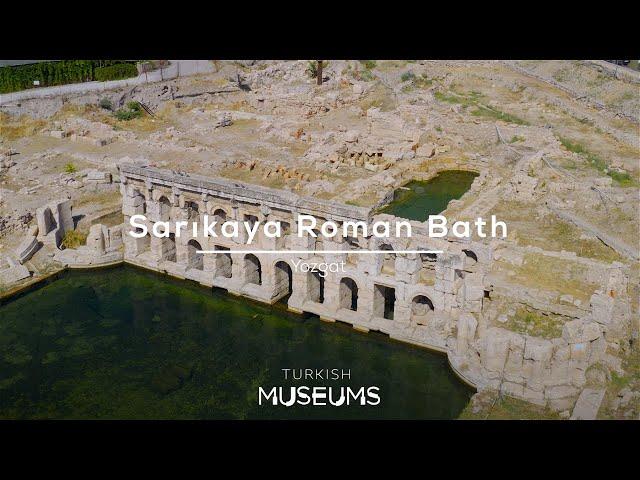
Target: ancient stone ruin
{"points": [[440, 301]]}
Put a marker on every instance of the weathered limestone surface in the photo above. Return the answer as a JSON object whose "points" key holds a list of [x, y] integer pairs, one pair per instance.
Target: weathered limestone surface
{"points": [[28, 247], [54, 220], [103, 246], [588, 404], [13, 274]]}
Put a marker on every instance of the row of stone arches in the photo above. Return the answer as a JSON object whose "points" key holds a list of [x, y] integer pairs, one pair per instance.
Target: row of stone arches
{"points": [[384, 298], [348, 291]]}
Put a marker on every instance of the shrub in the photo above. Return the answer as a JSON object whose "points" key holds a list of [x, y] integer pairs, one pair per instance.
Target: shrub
{"points": [[106, 104], [134, 106], [131, 111], [408, 76], [74, 239], [365, 75], [368, 64], [70, 168], [115, 72], [312, 67], [125, 114]]}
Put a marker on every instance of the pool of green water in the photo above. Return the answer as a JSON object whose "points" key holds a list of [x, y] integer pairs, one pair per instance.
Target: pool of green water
{"points": [[125, 343], [419, 199]]}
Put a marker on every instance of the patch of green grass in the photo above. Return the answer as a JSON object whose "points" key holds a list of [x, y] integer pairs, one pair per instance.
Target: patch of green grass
{"points": [[365, 75], [70, 168], [448, 98], [529, 322], [516, 138], [571, 146], [491, 113], [368, 64], [622, 178], [74, 239], [473, 99], [507, 408]]}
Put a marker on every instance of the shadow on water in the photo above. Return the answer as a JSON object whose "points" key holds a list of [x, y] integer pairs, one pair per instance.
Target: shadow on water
{"points": [[127, 343]]}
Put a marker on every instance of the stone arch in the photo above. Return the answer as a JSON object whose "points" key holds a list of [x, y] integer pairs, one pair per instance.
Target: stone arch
{"points": [[192, 210], [194, 259], [140, 202], [470, 254], [283, 285], [164, 208], [142, 244], [348, 294], [421, 309], [168, 248], [224, 262], [315, 287], [470, 259], [252, 269], [384, 301], [219, 216]]}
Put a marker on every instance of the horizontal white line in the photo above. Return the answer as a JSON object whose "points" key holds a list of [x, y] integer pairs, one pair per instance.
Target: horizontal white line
{"points": [[297, 252]]}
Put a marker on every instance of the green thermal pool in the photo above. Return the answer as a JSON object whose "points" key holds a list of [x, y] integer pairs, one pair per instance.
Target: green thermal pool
{"points": [[419, 199], [129, 344]]}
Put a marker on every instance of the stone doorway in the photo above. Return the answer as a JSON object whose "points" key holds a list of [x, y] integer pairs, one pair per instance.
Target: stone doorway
{"points": [[348, 294], [252, 269], [224, 263], [384, 301], [316, 287], [195, 260], [284, 280], [168, 248]]}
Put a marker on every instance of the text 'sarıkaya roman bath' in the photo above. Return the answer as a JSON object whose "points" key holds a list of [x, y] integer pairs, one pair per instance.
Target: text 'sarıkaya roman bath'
{"points": [[542, 318]]}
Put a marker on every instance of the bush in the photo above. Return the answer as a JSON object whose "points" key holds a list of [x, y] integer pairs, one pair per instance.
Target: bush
{"points": [[74, 239], [126, 114], [132, 110], [106, 104], [134, 106], [116, 72], [408, 76], [365, 76], [312, 67], [70, 168]]}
